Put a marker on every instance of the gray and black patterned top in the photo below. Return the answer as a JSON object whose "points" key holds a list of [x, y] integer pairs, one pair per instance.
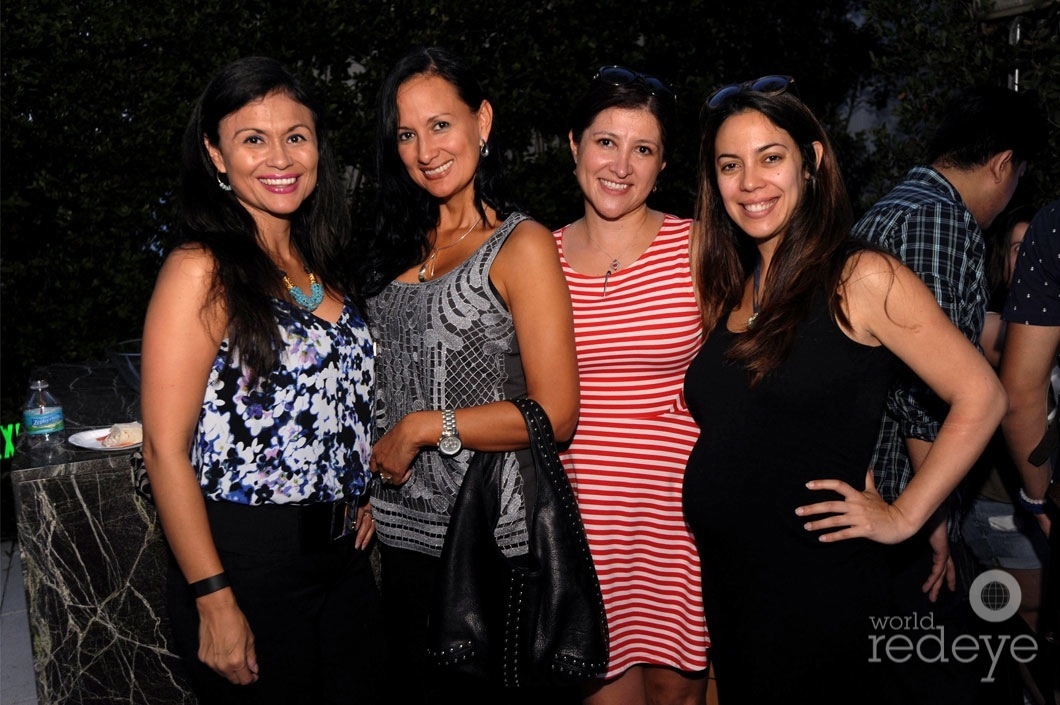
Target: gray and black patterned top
{"points": [[447, 343]]}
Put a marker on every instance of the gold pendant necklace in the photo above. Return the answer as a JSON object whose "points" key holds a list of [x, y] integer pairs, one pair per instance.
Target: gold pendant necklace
{"points": [[423, 275]]}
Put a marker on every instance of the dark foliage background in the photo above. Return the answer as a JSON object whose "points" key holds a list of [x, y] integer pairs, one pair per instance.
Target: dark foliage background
{"points": [[95, 94]]}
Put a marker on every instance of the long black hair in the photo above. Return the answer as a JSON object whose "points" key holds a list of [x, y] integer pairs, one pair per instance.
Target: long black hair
{"points": [[214, 219], [405, 213]]}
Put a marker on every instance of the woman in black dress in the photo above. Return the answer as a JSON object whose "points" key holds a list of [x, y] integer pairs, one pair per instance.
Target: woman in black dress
{"points": [[805, 328]]}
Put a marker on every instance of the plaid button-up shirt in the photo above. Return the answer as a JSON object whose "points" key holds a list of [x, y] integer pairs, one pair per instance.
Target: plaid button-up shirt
{"points": [[926, 225]]}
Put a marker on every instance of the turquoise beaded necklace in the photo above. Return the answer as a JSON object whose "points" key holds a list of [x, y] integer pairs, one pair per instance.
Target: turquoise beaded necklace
{"points": [[316, 292]]}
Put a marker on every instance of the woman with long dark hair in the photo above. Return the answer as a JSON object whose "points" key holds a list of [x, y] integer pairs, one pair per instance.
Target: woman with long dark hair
{"points": [[257, 402], [804, 329], [470, 308]]}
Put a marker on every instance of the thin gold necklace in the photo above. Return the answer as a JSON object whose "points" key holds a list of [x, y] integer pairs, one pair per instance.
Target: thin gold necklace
{"points": [[423, 275]]}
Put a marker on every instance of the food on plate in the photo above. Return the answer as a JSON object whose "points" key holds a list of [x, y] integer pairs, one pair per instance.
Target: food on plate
{"points": [[123, 434]]}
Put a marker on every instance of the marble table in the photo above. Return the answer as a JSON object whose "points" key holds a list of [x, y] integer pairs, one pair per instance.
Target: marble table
{"points": [[94, 558]]}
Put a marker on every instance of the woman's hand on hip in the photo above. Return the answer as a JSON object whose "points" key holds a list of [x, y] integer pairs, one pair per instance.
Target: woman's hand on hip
{"points": [[860, 514]]}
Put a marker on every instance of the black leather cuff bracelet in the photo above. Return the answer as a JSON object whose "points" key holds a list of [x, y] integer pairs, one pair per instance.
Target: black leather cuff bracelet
{"points": [[204, 587]]}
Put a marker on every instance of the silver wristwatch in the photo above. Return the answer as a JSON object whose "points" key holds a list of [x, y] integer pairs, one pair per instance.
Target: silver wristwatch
{"points": [[449, 444]]}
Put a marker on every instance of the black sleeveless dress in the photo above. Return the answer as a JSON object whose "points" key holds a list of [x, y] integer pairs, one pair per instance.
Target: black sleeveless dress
{"points": [[788, 615]]}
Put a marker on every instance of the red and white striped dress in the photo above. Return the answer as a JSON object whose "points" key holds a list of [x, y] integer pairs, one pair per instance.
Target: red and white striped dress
{"points": [[627, 459]]}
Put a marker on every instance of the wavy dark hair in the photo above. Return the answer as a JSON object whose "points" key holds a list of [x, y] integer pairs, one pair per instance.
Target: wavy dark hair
{"points": [[813, 251], [214, 219], [634, 95], [405, 213]]}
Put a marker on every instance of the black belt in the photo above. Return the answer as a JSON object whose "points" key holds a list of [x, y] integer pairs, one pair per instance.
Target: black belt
{"points": [[276, 529]]}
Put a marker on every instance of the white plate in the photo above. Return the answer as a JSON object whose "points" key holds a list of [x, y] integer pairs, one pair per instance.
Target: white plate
{"points": [[93, 440]]}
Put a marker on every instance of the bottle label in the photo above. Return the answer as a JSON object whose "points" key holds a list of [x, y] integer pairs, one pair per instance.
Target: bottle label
{"points": [[42, 420]]}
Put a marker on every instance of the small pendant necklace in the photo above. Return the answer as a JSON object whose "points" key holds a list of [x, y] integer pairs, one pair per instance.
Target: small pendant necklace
{"points": [[423, 275], [754, 296], [616, 263], [316, 291]]}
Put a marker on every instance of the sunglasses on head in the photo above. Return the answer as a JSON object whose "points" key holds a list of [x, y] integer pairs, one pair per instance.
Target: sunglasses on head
{"points": [[619, 76], [767, 85]]}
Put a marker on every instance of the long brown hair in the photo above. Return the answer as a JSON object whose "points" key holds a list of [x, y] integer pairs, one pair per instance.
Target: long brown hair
{"points": [[809, 256]]}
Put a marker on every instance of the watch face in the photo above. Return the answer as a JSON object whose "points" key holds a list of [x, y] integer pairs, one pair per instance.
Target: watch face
{"points": [[449, 445]]}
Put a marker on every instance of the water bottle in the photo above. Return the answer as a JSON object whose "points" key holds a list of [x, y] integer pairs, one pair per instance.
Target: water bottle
{"points": [[42, 417]]}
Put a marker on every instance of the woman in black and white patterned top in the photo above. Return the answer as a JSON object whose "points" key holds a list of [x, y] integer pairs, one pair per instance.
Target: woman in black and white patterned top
{"points": [[257, 401]]}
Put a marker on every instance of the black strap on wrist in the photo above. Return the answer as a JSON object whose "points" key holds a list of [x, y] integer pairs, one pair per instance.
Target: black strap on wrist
{"points": [[204, 587]]}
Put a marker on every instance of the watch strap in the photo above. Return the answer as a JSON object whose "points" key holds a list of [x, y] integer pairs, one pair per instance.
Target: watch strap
{"points": [[449, 423]]}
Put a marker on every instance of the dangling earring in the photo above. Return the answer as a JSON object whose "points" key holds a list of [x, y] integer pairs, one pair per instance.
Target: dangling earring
{"points": [[222, 184], [483, 148]]}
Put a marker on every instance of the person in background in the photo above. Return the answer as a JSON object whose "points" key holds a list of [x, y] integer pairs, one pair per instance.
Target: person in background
{"points": [[1005, 238], [1031, 426], [1032, 313], [257, 396], [637, 326], [804, 326], [998, 532], [933, 222], [469, 308]]}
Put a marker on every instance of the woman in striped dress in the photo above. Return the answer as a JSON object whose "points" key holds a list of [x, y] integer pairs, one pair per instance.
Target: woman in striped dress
{"points": [[637, 328]]}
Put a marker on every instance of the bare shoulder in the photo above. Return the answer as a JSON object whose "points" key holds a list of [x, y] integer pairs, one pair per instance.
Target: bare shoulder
{"points": [[868, 281], [186, 288], [531, 234], [530, 246], [529, 263], [190, 261], [872, 270]]}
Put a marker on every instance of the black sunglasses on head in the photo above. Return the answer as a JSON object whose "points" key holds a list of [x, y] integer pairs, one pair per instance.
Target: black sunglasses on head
{"points": [[620, 76], [767, 85]]}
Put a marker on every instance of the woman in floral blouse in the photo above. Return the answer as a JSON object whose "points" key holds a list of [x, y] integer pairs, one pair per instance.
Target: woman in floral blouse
{"points": [[257, 399]]}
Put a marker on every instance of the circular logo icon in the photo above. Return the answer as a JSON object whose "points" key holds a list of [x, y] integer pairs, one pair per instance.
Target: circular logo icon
{"points": [[995, 595]]}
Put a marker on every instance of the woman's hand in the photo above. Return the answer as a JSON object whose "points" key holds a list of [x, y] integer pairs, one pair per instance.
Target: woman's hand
{"points": [[858, 515], [365, 526], [392, 455], [226, 643]]}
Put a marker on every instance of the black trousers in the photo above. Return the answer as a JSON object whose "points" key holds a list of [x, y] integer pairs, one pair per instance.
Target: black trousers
{"points": [[315, 618]]}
